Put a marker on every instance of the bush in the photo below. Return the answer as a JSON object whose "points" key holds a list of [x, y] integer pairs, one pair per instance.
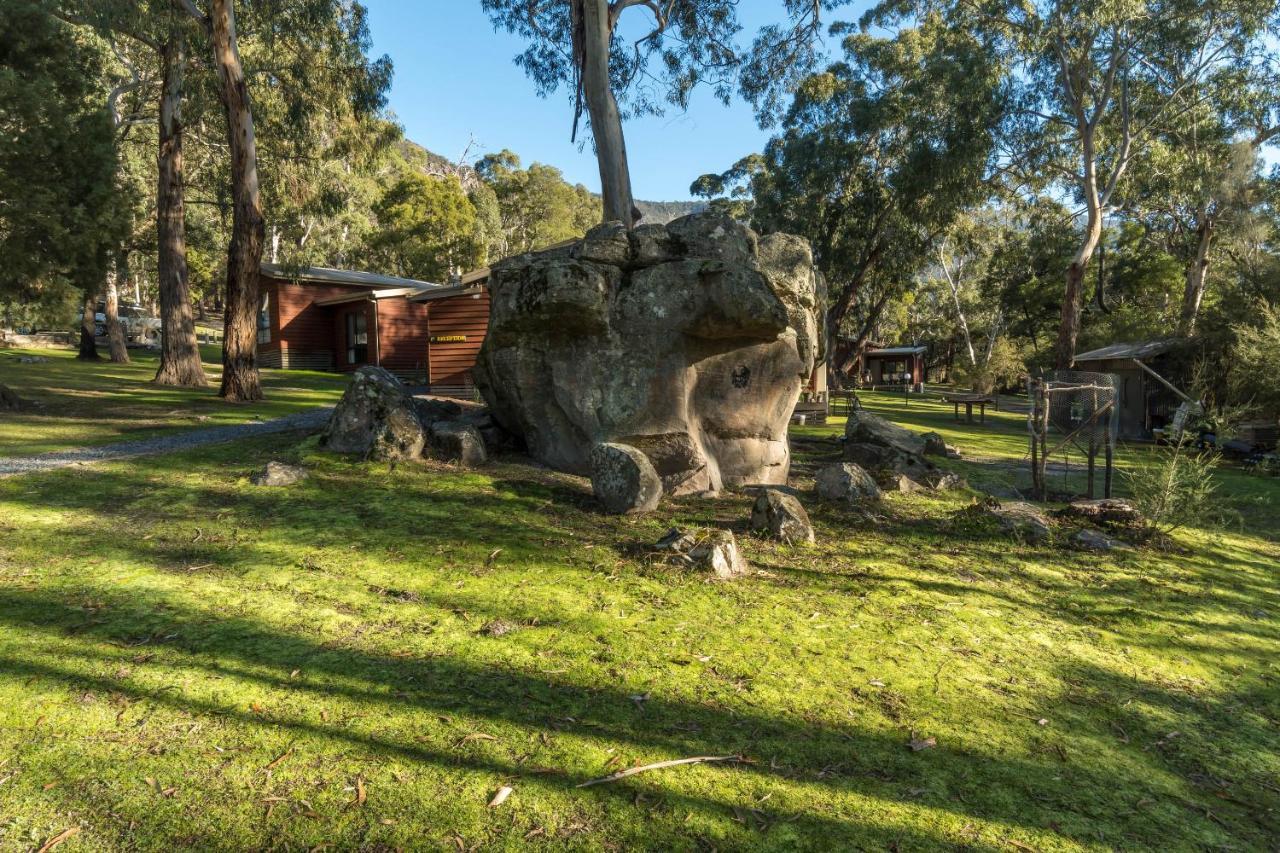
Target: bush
{"points": [[1179, 490], [1255, 360]]}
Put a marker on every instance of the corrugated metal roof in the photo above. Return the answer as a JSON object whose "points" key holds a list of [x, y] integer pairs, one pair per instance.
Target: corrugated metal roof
{"points": [[1140, 350], [897, 350], [325, 275], [447, 291]]}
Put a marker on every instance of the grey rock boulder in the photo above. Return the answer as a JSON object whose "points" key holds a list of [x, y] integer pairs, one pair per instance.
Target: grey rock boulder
{"points": [[1094, 540], [866, 427], [459, 442], [688, 342], [623, 479], [279, 474], [375, 418], [782, 517], [1107, 511], [1023, 521], [943, 481], [845, 482]]}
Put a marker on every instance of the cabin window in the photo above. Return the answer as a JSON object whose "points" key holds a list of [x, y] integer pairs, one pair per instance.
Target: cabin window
{"points": [[357, 338], [264, 320]]}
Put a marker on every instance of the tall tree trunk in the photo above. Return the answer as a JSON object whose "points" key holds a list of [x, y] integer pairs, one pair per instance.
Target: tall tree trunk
{"points": [[592, 36], [1072, 299], [240, 381], [88, 341], [179, 351], [115, 331], [1197, 272]]}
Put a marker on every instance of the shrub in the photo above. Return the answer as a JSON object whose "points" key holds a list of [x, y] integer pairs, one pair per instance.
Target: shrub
{"points": [[1179, 490], [1255, 360]]}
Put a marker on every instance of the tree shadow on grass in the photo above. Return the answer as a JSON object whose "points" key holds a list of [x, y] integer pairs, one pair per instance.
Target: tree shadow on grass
{"points": [[834, 758]]}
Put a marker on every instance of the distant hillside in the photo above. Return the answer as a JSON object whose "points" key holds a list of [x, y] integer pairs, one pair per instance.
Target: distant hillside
{"points": [[431, 163], [662, 212]]}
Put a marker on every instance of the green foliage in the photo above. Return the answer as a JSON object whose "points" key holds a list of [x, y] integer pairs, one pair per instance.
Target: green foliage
{"points": [[1002, 367], [877, 156], [1255, 362], [60, 217], [1179, 489], [536, 205], [427, 229]]}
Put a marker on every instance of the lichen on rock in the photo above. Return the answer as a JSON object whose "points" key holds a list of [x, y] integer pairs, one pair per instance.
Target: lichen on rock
{"points": [[688, 342]]}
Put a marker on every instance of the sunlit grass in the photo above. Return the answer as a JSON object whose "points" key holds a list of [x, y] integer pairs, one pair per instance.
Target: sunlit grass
{"points": [[87, 404], [189, 661]]}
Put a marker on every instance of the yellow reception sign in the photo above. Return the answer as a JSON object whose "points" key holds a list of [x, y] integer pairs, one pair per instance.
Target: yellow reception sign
{"points": [[448, 339]]}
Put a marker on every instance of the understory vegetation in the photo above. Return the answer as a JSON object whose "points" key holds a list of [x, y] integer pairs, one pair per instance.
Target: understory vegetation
{"points": [[367, 658]]}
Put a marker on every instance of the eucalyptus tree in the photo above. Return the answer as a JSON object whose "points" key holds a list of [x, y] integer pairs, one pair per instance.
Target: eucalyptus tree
{"points": [[878, 155], [314, 53], [536, 205], [613, 73], [1096, 80]]}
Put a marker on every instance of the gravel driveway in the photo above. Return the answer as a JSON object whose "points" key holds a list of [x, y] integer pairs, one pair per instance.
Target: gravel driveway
{"points": [[313, 419]]}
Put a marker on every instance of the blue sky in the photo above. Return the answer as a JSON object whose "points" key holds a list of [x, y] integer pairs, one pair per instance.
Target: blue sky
{"points": [[455, 80]]}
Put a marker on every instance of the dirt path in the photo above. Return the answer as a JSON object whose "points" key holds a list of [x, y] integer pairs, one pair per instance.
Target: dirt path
{"points": [[312, 419]]}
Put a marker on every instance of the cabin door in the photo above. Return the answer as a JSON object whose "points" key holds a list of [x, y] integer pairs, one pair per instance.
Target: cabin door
{"points": [[355, 338]]}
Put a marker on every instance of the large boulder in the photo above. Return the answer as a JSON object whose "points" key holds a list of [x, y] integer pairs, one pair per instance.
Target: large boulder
{"points": [[782, 517], [1022, 521], [1116, 512], [623, 479], [688, 342], [375, 418], [894, 456], [845, 482]]}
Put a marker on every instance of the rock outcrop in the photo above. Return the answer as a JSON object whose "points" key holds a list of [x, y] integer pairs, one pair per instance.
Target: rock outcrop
{"points": [[893, 455], [687, 342], [375, 418], [782, 517]]}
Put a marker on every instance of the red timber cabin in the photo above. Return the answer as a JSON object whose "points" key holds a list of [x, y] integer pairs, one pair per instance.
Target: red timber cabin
{"points": [[323, 319]]}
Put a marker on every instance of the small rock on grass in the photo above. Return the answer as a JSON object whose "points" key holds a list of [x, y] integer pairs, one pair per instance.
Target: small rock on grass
{"points": [[279, 474], [1093, 540], [498, 628], [782, 517], [453, 441], [716, 550], [845, 481]]}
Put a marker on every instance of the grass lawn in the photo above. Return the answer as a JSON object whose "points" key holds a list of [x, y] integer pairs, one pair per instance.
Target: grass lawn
{"points": [[187, 661], [83, 404]]}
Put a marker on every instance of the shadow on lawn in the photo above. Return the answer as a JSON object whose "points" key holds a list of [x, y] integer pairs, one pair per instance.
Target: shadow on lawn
{"points": [[1037, 795], [340, 505]]}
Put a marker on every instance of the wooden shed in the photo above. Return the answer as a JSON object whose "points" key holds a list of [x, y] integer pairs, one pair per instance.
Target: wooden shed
{"points": [[894, 366], [1150, 373]]}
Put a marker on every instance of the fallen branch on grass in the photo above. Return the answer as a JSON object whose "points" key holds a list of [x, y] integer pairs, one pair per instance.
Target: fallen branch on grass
{"points": [[631, 771]]}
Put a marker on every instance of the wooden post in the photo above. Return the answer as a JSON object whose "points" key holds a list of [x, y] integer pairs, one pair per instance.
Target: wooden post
{"points": [[1106, 476]]}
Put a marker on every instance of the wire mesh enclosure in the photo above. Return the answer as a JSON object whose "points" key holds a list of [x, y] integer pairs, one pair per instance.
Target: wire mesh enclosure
{"points": [[1073, 408]]}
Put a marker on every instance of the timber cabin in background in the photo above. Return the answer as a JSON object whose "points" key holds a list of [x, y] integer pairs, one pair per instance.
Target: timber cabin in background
{"points": [[324, 319]]}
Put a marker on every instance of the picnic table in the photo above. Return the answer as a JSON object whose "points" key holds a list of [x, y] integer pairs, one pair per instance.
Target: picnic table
{"points": [[969, 401]]}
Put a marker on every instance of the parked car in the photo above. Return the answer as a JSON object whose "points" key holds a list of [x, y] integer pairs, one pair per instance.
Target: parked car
{"points": [[139, 326]]}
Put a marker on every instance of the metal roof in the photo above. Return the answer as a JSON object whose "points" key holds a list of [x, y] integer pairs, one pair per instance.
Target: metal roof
{"points": [[325, 275], [446, 291], [373, 294], [1142, 349], [897, 350]]}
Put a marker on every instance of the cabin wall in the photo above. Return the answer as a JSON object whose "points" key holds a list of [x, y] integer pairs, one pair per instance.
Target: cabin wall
{"points": [[457, 327], [403, 337], [302, 333]]}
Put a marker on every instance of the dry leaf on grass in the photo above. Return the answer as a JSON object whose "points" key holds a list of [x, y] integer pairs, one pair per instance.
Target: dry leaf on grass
{"points": [[58, 839], [360, 792], [500, 797]]}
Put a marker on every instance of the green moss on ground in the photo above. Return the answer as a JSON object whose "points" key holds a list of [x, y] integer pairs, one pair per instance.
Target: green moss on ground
{"points": [[79, 404], [190, 661]]}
